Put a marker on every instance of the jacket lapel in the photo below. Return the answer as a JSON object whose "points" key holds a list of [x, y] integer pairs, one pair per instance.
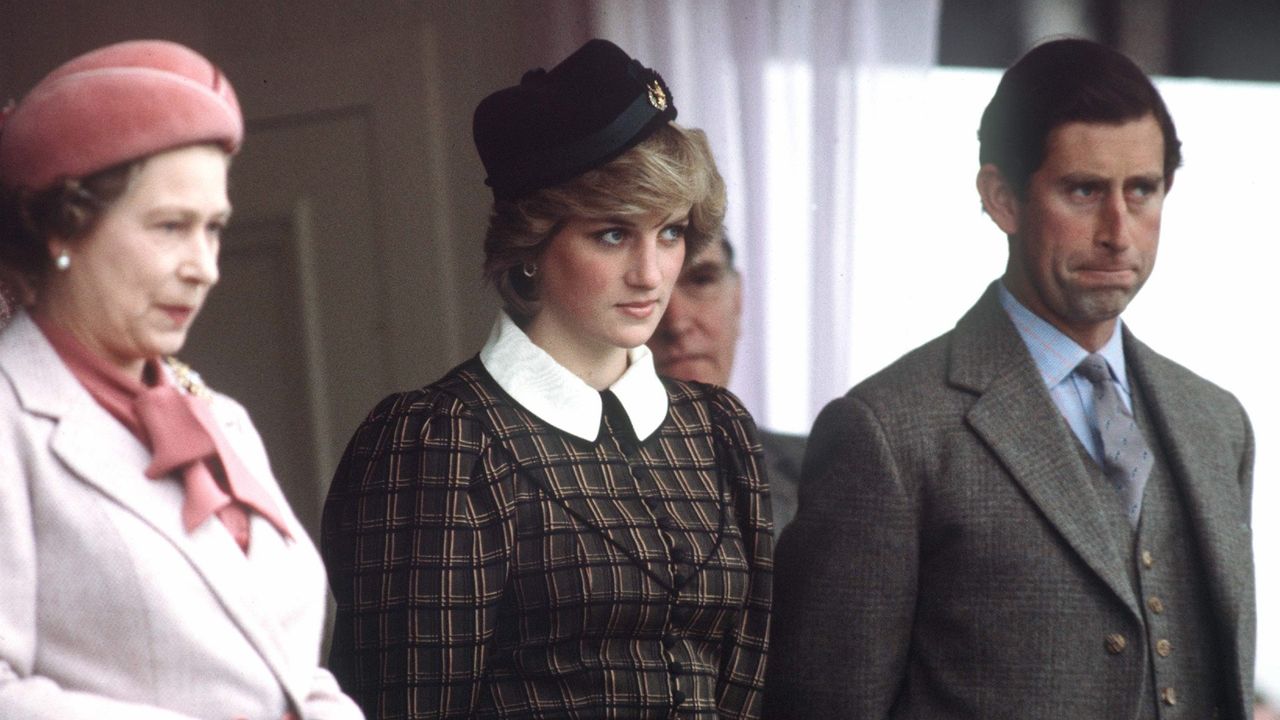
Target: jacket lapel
{"points": [[1017, 419], [101, 452], [1197, 453]]}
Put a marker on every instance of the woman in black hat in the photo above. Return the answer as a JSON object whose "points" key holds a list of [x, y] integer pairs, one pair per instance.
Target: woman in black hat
{"points": [[550, 530]]}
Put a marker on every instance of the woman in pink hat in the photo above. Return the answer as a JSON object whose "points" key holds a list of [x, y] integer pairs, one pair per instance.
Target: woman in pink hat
{"points": [[152, 568]]}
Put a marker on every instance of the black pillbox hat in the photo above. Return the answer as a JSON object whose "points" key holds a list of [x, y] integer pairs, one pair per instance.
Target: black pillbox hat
{"points": [[555, 125]]}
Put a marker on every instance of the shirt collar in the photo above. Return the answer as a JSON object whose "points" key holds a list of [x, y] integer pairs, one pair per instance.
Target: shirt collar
{"points": [[553, 393], [1056, 355]]}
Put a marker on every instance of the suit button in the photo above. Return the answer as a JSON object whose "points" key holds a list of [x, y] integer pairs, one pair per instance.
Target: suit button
{"points": [[680, 614], [677, 697], [664, 522], [1163, 648], [1116, 643], [1169, 696], [1148, 559], [679, 554], [676, 667], [679, 580], [1156, 605], [669, 640]]}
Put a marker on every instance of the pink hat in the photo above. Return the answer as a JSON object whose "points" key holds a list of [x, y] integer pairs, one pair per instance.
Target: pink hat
{"points": [[112, 105]]}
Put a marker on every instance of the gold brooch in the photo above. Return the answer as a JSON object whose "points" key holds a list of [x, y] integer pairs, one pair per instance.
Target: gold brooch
{"points": [[657, 98], [187, 379]]}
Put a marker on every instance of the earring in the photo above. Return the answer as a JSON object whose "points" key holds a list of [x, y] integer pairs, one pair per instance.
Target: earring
{"points": [[63, 261], [529, 269]]}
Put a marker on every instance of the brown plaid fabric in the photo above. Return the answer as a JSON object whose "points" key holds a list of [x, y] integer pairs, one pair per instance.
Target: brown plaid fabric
{"points": [[488, 565]]}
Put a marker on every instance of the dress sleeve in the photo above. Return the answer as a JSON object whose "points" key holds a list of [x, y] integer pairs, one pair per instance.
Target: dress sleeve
{"points": [[739, 693], [417, 536]]}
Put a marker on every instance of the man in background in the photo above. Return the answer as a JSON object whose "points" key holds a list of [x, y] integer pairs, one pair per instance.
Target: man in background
{"points": [[1034, 515], [697, 339]]}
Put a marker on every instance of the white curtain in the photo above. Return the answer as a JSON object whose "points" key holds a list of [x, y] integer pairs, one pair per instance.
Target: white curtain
{"points": [[776, 85]]}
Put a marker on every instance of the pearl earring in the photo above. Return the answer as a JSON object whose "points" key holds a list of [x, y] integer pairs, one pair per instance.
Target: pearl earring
{"points": [[63, 261]]}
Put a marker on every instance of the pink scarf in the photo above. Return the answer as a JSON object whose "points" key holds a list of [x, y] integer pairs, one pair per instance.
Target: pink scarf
{"points": [[180, 431]]}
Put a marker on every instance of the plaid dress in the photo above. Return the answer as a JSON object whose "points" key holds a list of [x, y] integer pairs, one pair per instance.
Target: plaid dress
{"points": [[489, 565]]}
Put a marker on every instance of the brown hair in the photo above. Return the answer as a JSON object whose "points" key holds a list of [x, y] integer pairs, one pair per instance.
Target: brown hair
{"points": [[69, 210], [1059, 82], [671, 168]]}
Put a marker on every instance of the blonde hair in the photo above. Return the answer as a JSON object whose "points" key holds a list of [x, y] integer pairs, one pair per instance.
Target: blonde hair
{"points": [[671, 168]]}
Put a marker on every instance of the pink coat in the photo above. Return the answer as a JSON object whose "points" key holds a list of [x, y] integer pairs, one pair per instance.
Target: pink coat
{"points": [[109, 609]]}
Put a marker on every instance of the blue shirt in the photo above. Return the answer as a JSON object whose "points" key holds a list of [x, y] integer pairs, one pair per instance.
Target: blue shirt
{"points": [[1056, 357]]}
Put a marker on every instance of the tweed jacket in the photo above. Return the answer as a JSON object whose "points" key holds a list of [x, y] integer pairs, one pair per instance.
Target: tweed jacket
{"points": [[109, 608], [489, 565], [950, 560]]}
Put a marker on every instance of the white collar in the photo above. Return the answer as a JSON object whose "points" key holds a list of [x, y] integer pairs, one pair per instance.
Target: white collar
{"points": [[552, 392]]}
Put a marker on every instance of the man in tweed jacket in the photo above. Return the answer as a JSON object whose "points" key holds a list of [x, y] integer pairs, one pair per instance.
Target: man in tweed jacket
{"points": [[960, 549]]}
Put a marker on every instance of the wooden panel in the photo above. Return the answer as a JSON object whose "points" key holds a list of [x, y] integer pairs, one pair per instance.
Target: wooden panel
{"points": [[253, 352], [293, 330]]}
